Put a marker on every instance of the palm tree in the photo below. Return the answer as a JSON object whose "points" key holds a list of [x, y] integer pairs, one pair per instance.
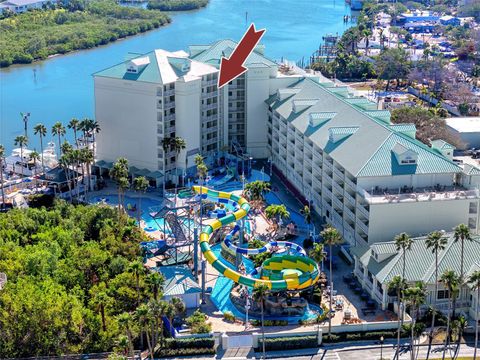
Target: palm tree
{"points": [[119, 172], [403, 242], [179, 305], [307, 215], [59, 130], [166, 145], [414, 296], [257, 189], [437, 242], [474, 282], [87, 158], [2, 156], [74, 124], [398, 284], [21, 141], [459, 326], [170, 312], [125, 321], [41, 130], [137, 269], [178, 144], [276, 213], [259, 294], [451, 281], [318, 254], [34, 156], [462, 233], [142, 315], [122, 345], [202, 171], [155, 281], [94, 129], [101, 301], [331, 237], [64, 162], [157, 310], [140, 184]]}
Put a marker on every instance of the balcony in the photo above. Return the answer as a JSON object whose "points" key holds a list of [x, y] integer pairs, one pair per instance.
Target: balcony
{"points": [[209, 94], [337, 202], [349, 213], [338, 187], [363, 210], [362, 226], [210, 106], [350, 183], [401, 195], [169, 92], [209, 82], [327, 192], [338, 172], [328, 165], [349, 198]]}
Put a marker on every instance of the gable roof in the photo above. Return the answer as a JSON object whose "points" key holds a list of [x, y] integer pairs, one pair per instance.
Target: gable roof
{"points": [[178, 281], [420, 261], [213, 53], [374, 134], [160, 67]]}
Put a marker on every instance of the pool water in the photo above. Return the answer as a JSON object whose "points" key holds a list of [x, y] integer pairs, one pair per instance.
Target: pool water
{"points": [[223, 286], [147, 203]]}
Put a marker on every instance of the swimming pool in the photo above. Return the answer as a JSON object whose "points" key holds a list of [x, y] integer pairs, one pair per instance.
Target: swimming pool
{"points": [[146, 203], [223, 286]]}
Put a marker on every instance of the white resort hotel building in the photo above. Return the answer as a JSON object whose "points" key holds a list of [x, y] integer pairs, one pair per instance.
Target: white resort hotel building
{"points": [[366, 176]]}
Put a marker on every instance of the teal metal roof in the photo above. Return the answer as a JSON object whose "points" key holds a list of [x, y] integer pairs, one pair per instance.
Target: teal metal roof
{"points": [[178, 281], [403, 127], [441, 144], [343, 130], [223, 48], [384, 162], [419, 261], [150, 73]]}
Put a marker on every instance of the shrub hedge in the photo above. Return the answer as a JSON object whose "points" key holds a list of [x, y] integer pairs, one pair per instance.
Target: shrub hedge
{"points": [[353, 336], [288, 343], [187, 346], [269, 322]]}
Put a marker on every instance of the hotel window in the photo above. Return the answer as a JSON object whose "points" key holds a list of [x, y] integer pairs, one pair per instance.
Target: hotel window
{"points": [[473, 208], [472, 223]]}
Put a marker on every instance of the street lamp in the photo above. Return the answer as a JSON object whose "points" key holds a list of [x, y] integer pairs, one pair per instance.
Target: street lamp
{"points": [[247, 307], [381, 347]]}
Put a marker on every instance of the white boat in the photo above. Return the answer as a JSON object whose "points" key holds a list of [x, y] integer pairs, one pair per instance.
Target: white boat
{"points": [[19, 161]]}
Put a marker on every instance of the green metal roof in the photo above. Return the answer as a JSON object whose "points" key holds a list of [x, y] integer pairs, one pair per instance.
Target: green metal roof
{"points": [[343, 130], [223, 48], [441, 144], [150, 73], [403, 127], [419, 260], [178, 281]]}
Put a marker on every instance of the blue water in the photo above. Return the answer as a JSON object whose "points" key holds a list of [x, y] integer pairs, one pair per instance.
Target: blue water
{"points": [[147, 203], [295, 216], [62, 87], [223, 286]]}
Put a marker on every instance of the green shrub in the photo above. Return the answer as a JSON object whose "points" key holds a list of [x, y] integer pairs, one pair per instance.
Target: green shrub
{"points": [[287, 343], [270, 322], [228, 316], [354, 336], [163, 353], [190, 343]]}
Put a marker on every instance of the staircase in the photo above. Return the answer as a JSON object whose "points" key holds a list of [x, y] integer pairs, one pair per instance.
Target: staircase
{"points": [[177, 231]]}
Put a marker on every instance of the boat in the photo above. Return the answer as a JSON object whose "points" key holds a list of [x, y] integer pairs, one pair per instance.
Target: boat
{"points": [[19, 161]]}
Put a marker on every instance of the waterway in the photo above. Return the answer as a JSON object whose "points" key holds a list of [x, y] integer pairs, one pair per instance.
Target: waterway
{"points": [[61, 87]]}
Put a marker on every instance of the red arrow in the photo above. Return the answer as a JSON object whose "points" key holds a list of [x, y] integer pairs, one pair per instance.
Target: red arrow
{"points": [[232, 68]]}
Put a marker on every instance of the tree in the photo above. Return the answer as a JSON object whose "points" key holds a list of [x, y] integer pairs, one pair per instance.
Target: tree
{"points": [[318, 254], [137, 269], [392, 64], [459, 326], [2, 157], [179, 305], [140, 184], [179, 144], [87, 158], [276, 213], [474, 282], [59, 130], [22, 141], [331, 237], [257, 189], [429, 126], [34, 156], [259, 294], [437, 242], [119, 172], [403, 242], [41, 130], [142, 315], [202, 172], [74, 124], [100, 301], [462, 233], [414, 296], [125, 321], [451, 281], [155, 281], [398, 285], [307, 215]]}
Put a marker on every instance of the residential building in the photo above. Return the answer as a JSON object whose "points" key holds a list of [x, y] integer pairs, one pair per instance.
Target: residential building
{"points": [[366, 176], [467, 128], [20, 6], [376, 265], [180, 283], [162, 94]]}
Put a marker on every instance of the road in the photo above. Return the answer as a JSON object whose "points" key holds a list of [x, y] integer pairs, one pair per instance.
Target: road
{"points": [[374, 353]]}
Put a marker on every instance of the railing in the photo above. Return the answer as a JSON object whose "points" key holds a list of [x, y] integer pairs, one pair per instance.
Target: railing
{"points": [[338, 172], [338, 187], [350, 183], [337, 202], [362, 226], [363, 210], [349, 213], [349, 198], [327, 191], [417, 195]]}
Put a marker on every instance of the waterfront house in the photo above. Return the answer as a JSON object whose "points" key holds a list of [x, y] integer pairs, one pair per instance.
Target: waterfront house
{"points": [[20, 6]]}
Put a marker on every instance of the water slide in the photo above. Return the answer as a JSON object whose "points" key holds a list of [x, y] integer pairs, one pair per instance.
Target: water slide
{"points": [[282, 272]]}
